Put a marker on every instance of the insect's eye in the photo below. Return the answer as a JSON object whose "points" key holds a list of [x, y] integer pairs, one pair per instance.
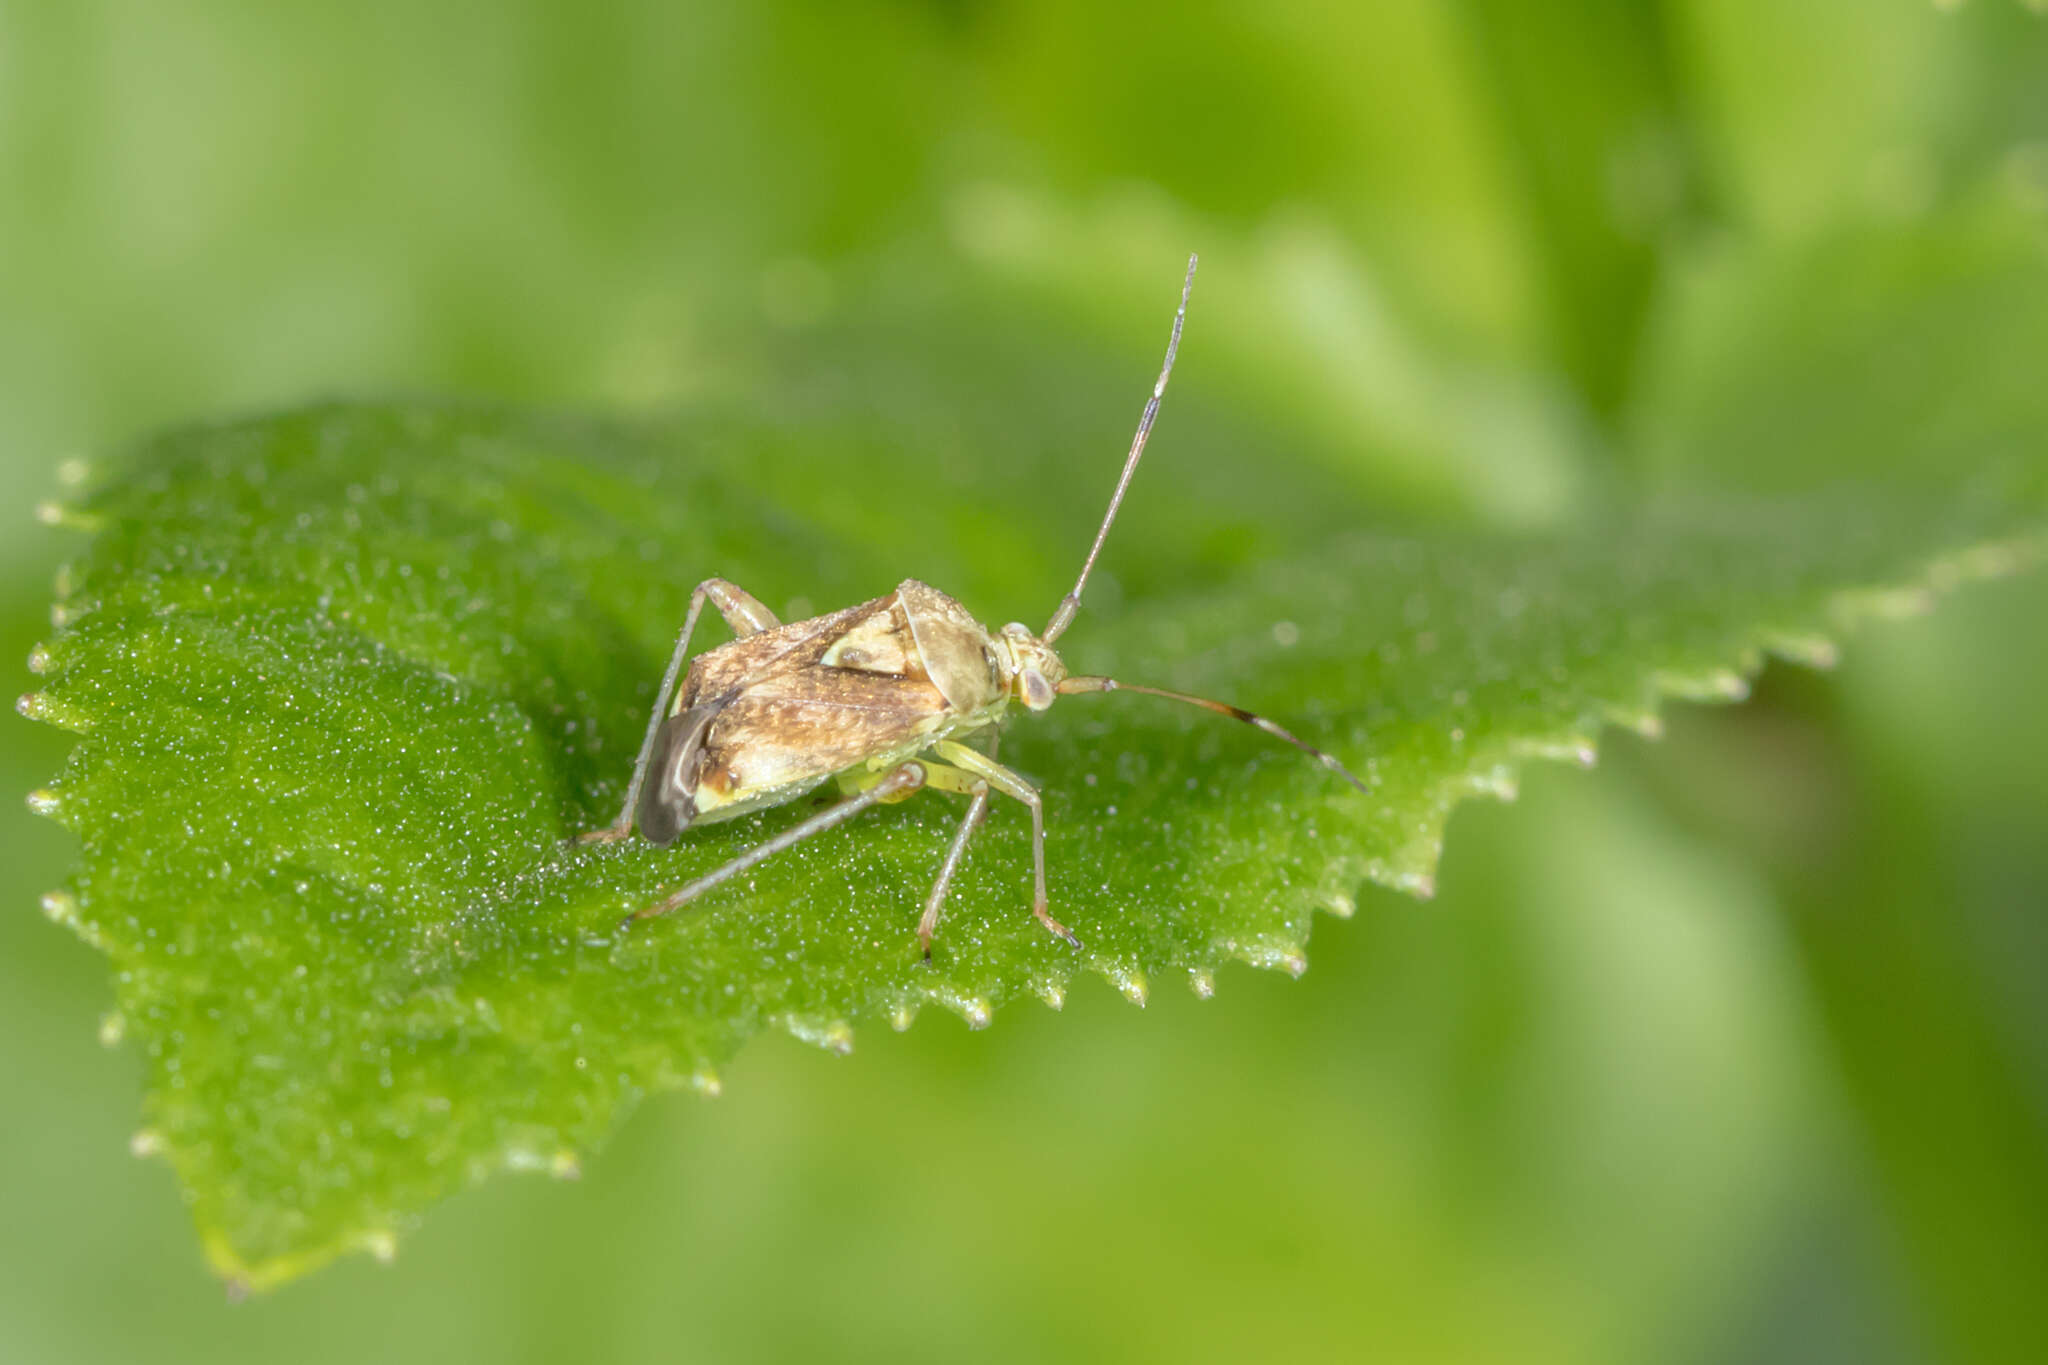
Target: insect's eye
{"points": [[1038, 692]]}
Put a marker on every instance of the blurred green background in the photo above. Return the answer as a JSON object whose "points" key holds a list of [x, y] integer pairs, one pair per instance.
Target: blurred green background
{"points": [[1735, 1049]]}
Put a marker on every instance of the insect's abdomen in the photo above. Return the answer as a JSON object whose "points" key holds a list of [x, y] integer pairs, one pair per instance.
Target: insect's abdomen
{"points": [[710, 764], [719, 760]]}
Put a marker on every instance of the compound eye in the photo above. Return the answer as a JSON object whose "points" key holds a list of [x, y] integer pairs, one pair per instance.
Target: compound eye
{"points": [[1038, 693]]}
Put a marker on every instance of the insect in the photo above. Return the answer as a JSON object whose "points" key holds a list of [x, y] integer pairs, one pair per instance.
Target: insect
{"points": [[879, 697]]}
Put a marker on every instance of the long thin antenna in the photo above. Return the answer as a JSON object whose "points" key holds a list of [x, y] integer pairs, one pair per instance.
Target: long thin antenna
{"points": [[1082, 683], [1071, 603]]}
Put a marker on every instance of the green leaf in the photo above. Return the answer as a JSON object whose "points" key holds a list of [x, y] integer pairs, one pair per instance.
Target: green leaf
{"points": [[347, 680]]}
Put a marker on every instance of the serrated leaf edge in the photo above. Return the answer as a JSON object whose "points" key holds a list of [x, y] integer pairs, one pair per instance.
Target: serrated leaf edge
{"points": [[1493, 774]]}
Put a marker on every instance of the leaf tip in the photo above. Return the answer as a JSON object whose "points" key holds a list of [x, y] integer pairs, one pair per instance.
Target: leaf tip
{"points": [[40, 706], [113, 1028], [902, 1017], [1714, 685], [60, 907], [565, 1166], [51, 512], [1893, 603], [974, 1009], [43, 801], [833, 1035], [1052, 993], [1728, 685], [706, 1083], [1810, 651], [1642, 720], [39, 660], [1993, 559], [1202, 982], [145, 1142], [1420, 884], [1130, 983]]}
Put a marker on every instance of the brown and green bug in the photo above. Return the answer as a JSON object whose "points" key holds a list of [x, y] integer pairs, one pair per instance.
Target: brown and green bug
{"points": [[878, 696]]}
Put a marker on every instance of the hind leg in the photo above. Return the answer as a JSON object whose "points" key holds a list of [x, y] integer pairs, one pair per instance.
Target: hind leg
{"points": [[747, 617], [895, 785]]}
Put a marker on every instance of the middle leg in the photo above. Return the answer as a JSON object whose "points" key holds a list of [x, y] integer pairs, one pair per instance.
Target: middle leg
{"points": [[1013, 784]]}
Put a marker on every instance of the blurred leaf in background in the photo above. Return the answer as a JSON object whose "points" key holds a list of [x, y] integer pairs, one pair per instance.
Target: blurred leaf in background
{"points": [[1731, 1050]]}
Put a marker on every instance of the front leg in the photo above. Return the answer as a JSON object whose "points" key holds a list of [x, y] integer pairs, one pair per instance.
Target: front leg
{"points": [[747, 617], [1013, 784], [928, 924], [950, 779]]}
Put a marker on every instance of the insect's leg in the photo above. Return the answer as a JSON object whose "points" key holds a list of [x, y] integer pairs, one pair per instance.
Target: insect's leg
{"points": [[740, 608], [899, 782], [929, 924], [943, 778], [747, 617], [1012, 784]]}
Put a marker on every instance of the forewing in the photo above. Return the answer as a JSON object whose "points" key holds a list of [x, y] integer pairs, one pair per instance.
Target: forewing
{"points": [[726, 670], [816, 698], [805, 724]]}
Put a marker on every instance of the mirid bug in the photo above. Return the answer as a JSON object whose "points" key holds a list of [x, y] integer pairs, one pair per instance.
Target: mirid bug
{"points": [[878, 696]]}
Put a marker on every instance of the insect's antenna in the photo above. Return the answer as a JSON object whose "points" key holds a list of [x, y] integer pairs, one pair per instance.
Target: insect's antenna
{"points": [[1071, 603], [1082, 683]]}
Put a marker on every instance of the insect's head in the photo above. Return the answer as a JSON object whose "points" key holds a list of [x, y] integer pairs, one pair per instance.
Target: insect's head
{"points": [[1032, 672]]}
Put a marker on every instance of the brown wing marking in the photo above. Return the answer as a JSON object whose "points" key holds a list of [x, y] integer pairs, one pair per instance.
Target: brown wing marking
{"points": [[730, 667]]}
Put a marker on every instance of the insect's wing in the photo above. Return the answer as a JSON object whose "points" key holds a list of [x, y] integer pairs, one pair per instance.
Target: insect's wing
{"points": [[723, 672], [852, 690], [771, 736]]}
